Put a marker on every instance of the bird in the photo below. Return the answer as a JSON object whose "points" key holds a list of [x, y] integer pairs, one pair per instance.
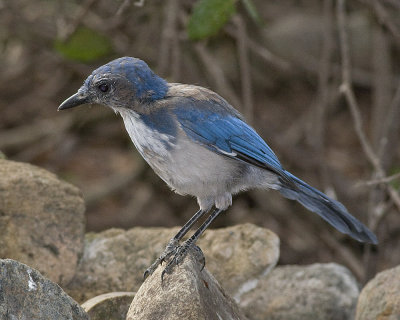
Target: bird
{"points": [[200, 146]]}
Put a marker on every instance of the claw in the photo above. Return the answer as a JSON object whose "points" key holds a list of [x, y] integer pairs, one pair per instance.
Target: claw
{"points": [[169, 250], [200, 257], [179, 256], [146, 274]]}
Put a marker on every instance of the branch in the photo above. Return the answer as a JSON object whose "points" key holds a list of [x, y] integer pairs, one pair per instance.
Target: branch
{"points": [[79, 17], [169, 36], [217, 74], [385, 19], [380, 180], [261, 51], [244, 66], [346, 89]]}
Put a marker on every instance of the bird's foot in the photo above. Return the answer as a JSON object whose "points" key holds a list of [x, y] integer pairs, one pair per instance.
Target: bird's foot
{"points": [[180, 254], [171, 247]]}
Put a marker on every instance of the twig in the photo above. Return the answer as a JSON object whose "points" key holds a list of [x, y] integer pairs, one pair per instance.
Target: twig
{"points": [[385, 19], [216, 73], [124, 5], [83, 10], [346, 89], [391, 122], [168, 34], [316, 132], [261, 51], [393, 3], [244, 65], [346, 86], [139, 3], [380, 180], [382, 91], [347, 256]]}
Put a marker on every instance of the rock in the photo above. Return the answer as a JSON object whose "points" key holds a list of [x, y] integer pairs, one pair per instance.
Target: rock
{"points": [[114, 260], [110, 306], [26, 294], [41, 220], [319, 291], [238, 255], [380, 298], [186, 293]]}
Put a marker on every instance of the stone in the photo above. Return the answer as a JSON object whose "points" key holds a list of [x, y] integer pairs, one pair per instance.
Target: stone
{"points": [[41, 220], [115, 260], [318, 291], [187, 293], [110, 306], [26, 294], [238, 255], [380, 298]]}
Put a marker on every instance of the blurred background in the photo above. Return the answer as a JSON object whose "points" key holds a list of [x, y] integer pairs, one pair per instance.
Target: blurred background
{"points": [[280, 63]]}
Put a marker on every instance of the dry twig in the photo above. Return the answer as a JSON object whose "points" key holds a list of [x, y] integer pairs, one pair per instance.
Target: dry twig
{"points": [[381, 180], [244, 65], [261, 51], [169, 47], [346, 89], [316, 132], [71, 28], [217, 74], [385, 19]]}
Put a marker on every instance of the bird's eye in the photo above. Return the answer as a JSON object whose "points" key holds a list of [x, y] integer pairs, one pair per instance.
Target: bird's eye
{"points": [[103, 87]]}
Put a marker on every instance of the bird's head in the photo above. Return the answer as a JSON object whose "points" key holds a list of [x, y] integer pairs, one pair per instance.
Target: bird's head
{"points": [[122, 83]]}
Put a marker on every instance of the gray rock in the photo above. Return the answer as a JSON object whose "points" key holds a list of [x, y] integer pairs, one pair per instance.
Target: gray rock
{"points": [[238, 255], [380, 298], [110, 306], [187, 293], [319, 291], [114, 260], [25, 294], [41, 220]]}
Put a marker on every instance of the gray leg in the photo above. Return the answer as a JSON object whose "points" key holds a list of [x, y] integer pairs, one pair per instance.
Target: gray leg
{"points": [[181, 251], [188, 225], [173, 243]]}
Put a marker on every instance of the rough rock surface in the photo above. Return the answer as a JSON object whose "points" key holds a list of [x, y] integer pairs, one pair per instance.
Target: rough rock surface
{"points": [[187, 293], [318, 291], [26, 294], [238, 255], [41, 220], [380, 298], [110, 306], [114, 260]]}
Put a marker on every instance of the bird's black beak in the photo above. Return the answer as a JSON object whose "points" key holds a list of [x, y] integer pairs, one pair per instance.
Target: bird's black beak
{"points": [[76, 100]]}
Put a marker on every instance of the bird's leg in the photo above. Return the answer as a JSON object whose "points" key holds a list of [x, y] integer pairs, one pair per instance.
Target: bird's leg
{"points": [[173, 243], [182, 250]]}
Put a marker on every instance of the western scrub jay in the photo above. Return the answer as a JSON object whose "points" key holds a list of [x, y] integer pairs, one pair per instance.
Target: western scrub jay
{"points": [[200, 146]]}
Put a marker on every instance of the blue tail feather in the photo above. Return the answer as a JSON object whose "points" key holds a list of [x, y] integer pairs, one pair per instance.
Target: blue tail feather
{"points": [[330, 210]]}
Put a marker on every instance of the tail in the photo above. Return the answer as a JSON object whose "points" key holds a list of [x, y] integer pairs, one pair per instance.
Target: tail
{"points": [[328, 209]]}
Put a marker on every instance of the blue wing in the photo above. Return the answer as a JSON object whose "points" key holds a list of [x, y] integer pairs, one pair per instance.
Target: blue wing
{"points": [[226, 134]]}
